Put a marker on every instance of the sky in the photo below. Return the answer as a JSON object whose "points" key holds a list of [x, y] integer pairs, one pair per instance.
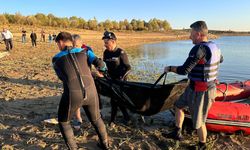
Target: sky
{"points": [[219, 14]]}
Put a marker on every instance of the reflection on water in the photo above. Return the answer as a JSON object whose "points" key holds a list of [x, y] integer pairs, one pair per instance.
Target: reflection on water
{"points": [[152, 51], [151, 58]]}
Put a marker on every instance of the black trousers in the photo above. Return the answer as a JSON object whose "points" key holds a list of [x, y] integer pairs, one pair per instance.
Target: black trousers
{"points": [[114, 109], [33, 43], [69, 103], [8, 44]]}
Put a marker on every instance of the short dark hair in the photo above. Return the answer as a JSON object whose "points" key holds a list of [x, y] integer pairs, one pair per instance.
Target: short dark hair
{"points": [[200, 26], [109, 35], [64, 36]]}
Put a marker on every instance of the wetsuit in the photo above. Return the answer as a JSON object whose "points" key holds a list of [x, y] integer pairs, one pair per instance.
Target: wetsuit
{"points": [[71, 66], [118, 64]]}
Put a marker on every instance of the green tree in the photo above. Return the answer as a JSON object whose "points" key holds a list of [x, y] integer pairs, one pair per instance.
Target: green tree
{"points": [[18, 18], [153, 25], [63, 22], [115, 25], [100, 26], [31, 20], [166, 26], [140, 25], [122, 25], [3, 20], [108, 24], [42, 19], [134, 24], [92, 24], [82, 23], [74, 22], [51, 18], [10, 18]]}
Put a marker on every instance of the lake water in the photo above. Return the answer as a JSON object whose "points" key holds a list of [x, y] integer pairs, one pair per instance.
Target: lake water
{"points": [[151, 58]]}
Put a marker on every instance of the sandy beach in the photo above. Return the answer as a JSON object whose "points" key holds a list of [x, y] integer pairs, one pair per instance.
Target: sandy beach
{"points": [[30, 93]]}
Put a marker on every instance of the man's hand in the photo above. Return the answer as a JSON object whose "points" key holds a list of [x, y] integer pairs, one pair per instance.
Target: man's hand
{"points": [[99, 74]]}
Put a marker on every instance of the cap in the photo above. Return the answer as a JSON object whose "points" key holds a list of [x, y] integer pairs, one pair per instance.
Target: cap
{"points": [[109, 35]]}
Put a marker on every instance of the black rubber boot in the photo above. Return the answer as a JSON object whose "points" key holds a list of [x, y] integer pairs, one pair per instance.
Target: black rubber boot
{"points": [[68, 135], [176, 134], [202, 146]]}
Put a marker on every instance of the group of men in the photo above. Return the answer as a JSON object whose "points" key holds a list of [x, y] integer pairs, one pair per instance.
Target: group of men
{"points": [[33, 37], [72, 66], [7, 37]]}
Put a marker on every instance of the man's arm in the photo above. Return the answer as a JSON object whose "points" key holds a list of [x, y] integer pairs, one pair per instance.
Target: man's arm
{"points": [[97, 62], [125, 61], [196, 54], [11, 35]]}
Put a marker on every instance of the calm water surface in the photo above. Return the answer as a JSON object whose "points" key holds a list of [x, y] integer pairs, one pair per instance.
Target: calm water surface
{"points": [[151, 58]]}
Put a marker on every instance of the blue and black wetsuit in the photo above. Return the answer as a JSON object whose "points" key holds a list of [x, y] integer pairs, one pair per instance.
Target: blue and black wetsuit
{"points": [[71, 66]]}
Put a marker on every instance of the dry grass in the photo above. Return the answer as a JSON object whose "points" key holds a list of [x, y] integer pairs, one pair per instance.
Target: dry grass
{"points": [[30, 93]]}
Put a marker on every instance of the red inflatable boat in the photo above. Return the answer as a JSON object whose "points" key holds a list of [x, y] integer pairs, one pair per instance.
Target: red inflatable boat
{"points": [[233, 91], [231, 111], [229, 117]]}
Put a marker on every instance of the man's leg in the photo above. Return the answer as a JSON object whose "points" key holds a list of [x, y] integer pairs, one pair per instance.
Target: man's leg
{"points": [[11, 44], [68, 135], [6, 42], [78, 119], [93, 113], [32, 41], [113, 110], [180, 104], [202, 102], [202, 133], [124, 112], [179, 117], [78, 115], [67, 107]]}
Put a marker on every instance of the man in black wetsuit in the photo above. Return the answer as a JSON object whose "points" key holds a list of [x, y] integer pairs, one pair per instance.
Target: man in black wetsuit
{"points": [[118, 65], [71, 66], [97, 62]]}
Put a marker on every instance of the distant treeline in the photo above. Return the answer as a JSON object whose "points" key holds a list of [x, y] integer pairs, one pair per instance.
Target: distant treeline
{"points": [[228, 32], [92, 24]]}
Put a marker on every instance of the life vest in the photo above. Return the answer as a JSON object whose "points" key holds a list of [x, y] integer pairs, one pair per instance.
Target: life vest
{"points": [[206, 71]]}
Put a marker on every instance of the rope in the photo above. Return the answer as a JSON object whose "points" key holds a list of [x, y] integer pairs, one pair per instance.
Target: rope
{"points": [[224, 93]]}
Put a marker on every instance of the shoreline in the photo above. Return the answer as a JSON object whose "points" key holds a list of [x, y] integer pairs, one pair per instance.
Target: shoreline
{"points": [[30, 92]]}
